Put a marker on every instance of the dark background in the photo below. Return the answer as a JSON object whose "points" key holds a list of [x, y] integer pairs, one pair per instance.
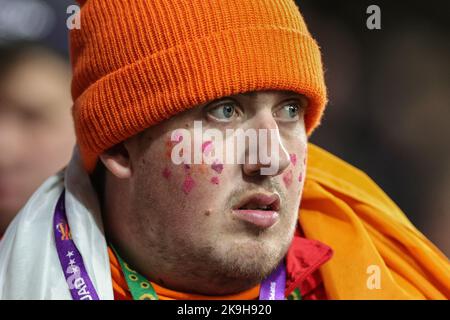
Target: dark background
{"points": [[389, 106], [389, 92]]}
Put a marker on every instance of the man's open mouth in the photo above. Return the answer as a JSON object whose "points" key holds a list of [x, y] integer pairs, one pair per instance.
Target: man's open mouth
{"points": [[258, 209]]}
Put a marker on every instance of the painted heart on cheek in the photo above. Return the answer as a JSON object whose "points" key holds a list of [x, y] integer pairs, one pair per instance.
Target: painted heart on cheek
{"points": [[207, 147], [293, 157], [217, 167], [188, 184]]}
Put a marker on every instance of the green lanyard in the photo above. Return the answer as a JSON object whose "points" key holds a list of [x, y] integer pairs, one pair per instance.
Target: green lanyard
{"points": [[140, 288], [295, 295]]}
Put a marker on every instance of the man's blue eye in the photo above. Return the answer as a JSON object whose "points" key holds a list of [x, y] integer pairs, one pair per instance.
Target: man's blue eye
{"points": [[289, 111], [293, 110], [224, 111]]}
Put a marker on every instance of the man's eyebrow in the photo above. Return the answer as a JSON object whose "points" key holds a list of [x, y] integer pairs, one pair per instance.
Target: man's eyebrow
{"points": [[253, 95], [281, 93], [250, 94]]}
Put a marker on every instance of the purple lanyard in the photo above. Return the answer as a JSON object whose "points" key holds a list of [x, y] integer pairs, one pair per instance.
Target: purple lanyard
{"points": [[81, 287], [77, 278], [272, 288]]}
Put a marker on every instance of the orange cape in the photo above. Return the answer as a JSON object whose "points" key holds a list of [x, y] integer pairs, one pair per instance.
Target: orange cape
{"points": [[343, 208]]}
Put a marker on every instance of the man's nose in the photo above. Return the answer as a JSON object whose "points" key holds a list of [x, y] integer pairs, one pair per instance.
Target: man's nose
{"points": [[271, 156]]}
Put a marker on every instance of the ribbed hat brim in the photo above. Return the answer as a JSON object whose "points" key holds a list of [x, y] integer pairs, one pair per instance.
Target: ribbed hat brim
{"points": [[150, 90]]}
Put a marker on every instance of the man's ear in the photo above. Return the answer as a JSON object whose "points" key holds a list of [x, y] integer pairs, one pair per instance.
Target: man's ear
{"points": [[117, 161]]}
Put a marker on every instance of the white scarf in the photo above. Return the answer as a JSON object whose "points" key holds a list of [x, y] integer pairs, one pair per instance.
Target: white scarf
{"points": [[29, 263]]}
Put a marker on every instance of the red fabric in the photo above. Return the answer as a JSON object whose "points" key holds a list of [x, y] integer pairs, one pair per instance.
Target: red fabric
{"points": [[303, 260]]}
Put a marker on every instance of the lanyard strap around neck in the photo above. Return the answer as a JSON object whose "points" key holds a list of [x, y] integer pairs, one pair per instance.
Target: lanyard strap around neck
{"points": [[272, 288], [77, 278], [139, 286]]}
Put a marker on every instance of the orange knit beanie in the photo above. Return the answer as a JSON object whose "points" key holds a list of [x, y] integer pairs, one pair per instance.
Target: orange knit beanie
{"points": [[139, 62]]}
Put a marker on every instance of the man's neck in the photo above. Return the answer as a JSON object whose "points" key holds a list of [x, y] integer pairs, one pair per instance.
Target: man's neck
{"points": [[188, 280]]}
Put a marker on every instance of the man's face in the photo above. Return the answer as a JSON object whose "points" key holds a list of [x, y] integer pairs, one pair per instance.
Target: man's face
{"points": [[211, 217]]}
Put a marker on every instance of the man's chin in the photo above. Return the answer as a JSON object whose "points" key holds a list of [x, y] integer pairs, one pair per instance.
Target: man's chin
{"points": [[250, 258]]}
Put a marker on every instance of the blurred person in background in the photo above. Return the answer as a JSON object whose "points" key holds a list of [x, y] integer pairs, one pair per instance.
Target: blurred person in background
{"points": [[36, 130]]}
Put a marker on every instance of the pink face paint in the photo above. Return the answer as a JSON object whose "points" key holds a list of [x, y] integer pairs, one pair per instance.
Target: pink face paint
{"points": [[207, 147], [215, 180], [300, 177], [217, 167], [293, 157], [166, 173], [178, 137], [170, 144], [287, 178], [188, 184]]}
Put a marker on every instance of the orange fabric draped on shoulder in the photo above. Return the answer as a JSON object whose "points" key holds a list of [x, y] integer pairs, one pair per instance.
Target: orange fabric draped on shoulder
{"points": [[342, 207]]}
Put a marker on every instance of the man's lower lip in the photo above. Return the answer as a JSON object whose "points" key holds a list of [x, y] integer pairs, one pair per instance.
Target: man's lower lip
{"points": [[260, 218]]}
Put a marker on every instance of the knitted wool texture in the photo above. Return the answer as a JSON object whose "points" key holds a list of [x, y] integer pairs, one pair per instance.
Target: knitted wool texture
{"points": [[138, 62]]}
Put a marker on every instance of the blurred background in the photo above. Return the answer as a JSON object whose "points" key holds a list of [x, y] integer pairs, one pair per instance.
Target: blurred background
{"points": [[36, 131], [389, 92], [388, 113]]}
